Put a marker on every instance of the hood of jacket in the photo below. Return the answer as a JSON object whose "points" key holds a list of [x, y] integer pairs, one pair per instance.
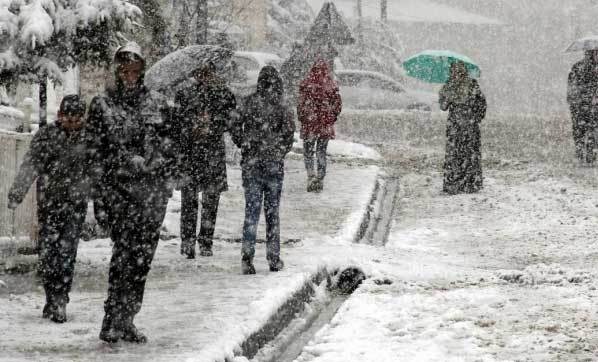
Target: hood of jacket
{"points": [[269, 85]]}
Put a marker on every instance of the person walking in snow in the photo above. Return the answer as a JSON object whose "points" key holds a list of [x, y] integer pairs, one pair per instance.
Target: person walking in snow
{"points": [[134, 163], [264, 133], [318, 109], [466, 104], [204, 112], [582, 96], [57, 156]]}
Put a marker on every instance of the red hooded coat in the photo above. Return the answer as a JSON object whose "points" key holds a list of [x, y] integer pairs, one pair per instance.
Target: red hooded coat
{"points": [[319, 102]]}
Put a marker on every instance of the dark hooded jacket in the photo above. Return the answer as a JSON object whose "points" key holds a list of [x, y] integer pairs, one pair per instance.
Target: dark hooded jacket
{"points": [[132, 146], [60, 159], [582, 86], [265, 129], [203, 116]]}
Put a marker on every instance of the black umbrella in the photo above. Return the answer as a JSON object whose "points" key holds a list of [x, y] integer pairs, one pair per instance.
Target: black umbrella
{"points": [[177, 66]]}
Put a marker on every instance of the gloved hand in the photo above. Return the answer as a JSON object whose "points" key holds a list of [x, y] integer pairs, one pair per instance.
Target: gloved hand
{"points": [[12, 204], [138, 163]]}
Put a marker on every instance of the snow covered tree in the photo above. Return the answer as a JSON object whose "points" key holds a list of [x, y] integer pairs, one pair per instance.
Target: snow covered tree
{"points": [[41, 38]]}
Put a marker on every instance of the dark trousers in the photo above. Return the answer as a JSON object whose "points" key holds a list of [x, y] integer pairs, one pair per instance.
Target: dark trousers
{"points": [[584, 137], [135, 231], [314, 146], [189, 210], [262, 184], [60, 226]]}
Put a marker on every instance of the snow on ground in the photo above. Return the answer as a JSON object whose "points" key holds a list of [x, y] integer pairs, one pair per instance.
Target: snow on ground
{"points": [[344, 149], [196, 310], [508, 274]]}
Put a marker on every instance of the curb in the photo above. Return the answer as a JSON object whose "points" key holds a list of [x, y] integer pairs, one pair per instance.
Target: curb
{"points": [[280, 319]]}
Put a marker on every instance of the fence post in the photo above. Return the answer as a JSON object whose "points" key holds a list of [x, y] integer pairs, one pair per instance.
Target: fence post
{"points": [[28, 108]]}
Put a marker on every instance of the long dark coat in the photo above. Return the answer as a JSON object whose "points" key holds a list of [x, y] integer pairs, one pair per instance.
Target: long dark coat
{"points": [[203, 117], [463, 159], [582, 87]]}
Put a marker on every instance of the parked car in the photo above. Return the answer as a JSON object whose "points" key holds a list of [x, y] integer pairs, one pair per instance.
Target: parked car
{"points": [[361, 89], [246, 67]]}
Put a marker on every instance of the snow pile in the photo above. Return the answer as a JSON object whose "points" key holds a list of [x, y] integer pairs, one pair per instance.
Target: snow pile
{"points": [[546, 274]]}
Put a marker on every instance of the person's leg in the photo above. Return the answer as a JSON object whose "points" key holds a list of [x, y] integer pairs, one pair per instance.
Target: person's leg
{"points": [[309, 145], [272, 193], [209, 213], [578, 139], [48, 236], [189, 210], [253, 205], [63, 263], [321, 149]]}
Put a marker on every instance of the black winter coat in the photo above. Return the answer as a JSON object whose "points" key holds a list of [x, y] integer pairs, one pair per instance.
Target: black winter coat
{"points": [[463, 159], [264, 131], [132, 143], [582, 86], [203, 117], [60, 160]]}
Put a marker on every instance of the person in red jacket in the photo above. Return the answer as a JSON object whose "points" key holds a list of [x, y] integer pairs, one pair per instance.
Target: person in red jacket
{"points": [[319, 106]]}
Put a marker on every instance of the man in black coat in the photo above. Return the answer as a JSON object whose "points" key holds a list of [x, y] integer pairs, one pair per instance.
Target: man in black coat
{"points": [[264, 133], [582, 96], [57, 157], [203, 114], [135, 156]]}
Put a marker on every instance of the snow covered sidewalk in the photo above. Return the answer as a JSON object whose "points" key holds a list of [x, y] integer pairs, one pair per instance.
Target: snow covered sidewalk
{"points": [[200, 309], [508, 274]]}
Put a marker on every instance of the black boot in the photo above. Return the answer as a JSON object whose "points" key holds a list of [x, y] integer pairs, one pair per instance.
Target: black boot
{"points": [[205, 248], [247, 267], [58, 314], [276, 264], [47, 311], [188, 248], [132, 334], [111, 329]]}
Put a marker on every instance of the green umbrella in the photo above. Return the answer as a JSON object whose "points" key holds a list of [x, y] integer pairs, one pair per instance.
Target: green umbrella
{"points": [[433, 66]]}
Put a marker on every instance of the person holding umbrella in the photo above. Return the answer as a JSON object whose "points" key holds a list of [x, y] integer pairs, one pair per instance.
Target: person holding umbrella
{"points": [[582, 96], [204, 112], [462, 97], [464, 100]]}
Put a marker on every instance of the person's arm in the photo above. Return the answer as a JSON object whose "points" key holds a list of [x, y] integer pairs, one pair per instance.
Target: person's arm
{"points": [[573, 90], [238, 125], [33, 162], [443, 98], [288, 136], [480, 104]]}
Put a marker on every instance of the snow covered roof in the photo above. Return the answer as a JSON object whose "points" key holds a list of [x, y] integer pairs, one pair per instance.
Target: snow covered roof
{"points": [[409, 11]]}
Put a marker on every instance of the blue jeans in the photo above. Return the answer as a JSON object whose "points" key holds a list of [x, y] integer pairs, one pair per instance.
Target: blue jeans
{"points": [[262, 182]]}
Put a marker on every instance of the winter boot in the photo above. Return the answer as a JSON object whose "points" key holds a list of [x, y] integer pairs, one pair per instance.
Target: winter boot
{"points": [[311, 183], [247, 267], [58, 314], [47, 311], [111, 331], [205, 249], [188, 248], [276, 264], [132, 334], [319, 184]]}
